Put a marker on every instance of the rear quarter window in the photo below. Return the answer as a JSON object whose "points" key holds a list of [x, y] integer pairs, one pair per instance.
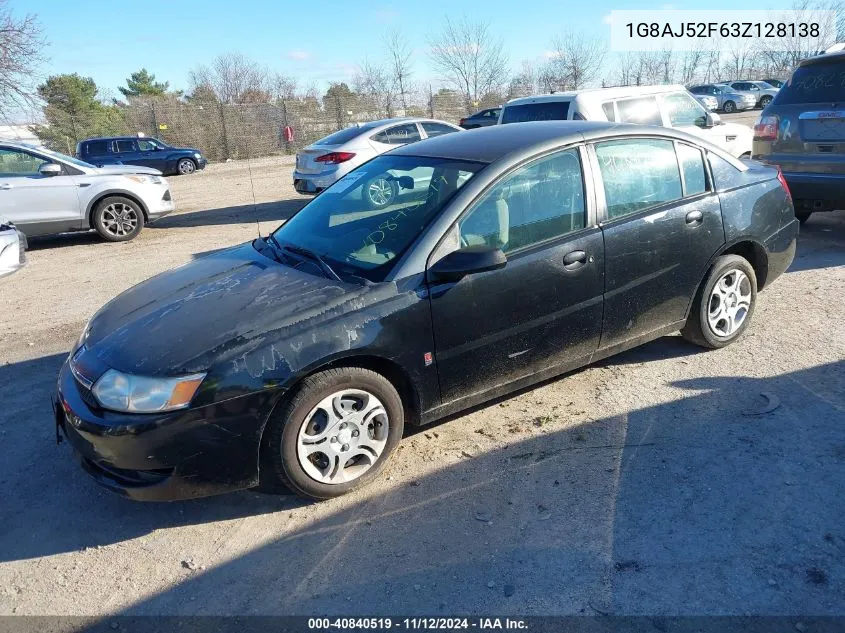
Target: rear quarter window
{"points": [[543, 111], [814, 83], [724, 174], [96, 148]]}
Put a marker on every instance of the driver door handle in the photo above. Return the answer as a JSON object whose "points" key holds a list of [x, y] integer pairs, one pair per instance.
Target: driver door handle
{"points": [[574, 260]]}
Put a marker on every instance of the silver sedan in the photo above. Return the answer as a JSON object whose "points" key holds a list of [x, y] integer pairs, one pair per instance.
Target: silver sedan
{"points": [[763, 92], [328, 160]]}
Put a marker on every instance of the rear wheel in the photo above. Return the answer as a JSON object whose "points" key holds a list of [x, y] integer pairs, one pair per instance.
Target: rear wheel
{"points": [[117, 219], [335, 433], [765, 101], [729, 107], [803, 216], [723, 305]]}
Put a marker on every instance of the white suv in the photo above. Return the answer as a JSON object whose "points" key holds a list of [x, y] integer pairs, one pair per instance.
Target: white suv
{"points": [[667, 106], [44, 192]]}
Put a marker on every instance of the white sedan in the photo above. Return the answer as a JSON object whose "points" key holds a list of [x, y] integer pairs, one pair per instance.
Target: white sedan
{"points": [[328, 160], [44, 192]]}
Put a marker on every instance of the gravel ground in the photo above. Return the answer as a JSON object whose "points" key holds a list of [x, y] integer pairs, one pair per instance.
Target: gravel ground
{"points": [[642, 485]]}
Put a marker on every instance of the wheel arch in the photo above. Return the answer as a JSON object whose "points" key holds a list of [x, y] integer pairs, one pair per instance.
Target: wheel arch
{"points": [[114, 192]]}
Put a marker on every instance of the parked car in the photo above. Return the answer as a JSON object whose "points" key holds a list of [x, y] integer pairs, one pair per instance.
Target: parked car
{"points": [[803, 131], [531, 250], [775, 83], [147, 152], [708, 101], [45, 192], [763, 91], [730, 100], [328, 160], [12, 248], [669, 106], [482, 118]]}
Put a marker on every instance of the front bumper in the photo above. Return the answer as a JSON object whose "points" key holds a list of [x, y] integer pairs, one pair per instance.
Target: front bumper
{"points": [[163, 457], [161, 204]]}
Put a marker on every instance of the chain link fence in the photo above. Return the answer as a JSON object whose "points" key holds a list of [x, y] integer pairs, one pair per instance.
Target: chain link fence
{"points": [[237, 131]]}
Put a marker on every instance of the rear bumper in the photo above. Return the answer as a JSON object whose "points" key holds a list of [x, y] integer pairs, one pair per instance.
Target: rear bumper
{"points": [[826, 191], [306, 187], [780, 249]]}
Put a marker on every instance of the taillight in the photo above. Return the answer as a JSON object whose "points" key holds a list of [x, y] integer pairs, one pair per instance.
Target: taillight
{"points": [[333, 158], [462, 121], [783, 184], [766, 129]]}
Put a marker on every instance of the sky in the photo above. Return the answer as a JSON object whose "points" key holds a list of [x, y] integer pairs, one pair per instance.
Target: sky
{"points": [[315, 41]]}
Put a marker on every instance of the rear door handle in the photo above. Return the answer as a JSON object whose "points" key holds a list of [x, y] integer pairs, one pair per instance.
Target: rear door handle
{"points": [[694, 217], [574, 260], [5, 185]]}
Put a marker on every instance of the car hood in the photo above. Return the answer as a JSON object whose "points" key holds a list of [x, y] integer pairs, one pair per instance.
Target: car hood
{"points": [[212, 309], [110, 170]]}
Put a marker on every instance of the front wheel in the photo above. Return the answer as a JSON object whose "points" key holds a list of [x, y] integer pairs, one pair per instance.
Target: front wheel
{"points": [[117, 219], [186, 166], [335, 433], [729, 107], [724, 304]]}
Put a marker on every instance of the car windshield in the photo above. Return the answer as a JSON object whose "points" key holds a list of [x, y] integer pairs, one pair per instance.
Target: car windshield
{"points": [[65, 158], [344, 136], [814, 83], [367, 219]]}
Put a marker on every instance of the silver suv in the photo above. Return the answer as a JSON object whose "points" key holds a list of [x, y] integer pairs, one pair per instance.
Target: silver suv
{"points": [[45, 192]]}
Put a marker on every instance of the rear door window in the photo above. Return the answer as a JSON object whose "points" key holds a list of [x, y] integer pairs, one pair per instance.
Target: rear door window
{"points": [[124, 146], [96, 148], [692, 166], [398, 134], [814, 83], [642, 110], [543, 111], [436, 129]]}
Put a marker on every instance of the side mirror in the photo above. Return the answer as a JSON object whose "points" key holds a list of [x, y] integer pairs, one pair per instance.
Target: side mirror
{"points": [[467, 261], [712, 119], [406, 182], [50, 169]]}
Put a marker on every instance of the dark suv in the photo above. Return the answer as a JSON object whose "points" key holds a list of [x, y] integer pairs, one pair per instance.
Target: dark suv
{"points": [[149, 152], [803, 132]]}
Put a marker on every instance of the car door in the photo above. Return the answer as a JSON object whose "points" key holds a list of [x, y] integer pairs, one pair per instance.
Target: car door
{"points": [[395, 136], [150, 154], [662, 223], [543, 309], [127, 151], [36, 203]]}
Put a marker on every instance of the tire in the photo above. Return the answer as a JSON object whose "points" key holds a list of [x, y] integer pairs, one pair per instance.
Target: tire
{"points": [[185, 167], [117, 219], [803, 216], [729, 107], [292, 444], [765, 101], [708, 325], [379, 192]]}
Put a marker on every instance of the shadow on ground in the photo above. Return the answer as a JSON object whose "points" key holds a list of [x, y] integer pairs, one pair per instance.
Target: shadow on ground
{"points": [[274, 213], [690, 506], [821, 243]]}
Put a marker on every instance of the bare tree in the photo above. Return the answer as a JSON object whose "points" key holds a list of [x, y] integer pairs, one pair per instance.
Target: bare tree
{"points": [[21, 46], [691, 64], [282, 86], [233, 77], [400, 67], [469, 58], [524, 83], [372, 81], [575, 61]]}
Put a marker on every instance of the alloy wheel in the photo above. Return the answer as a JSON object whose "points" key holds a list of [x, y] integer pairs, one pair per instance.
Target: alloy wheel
{"points": [[729, 303], [343, 436], [186, 167], [380, 192], [120, 219]]}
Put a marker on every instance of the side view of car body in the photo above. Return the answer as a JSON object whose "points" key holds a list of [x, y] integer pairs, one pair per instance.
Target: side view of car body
{"points": [[482, 118], [523, 256], [12, 248], [776, 83], [730, 100], [326, 161], [708, 101], [764, 92], [44, 192], [803, 131], [669, 106], [142, 151]]}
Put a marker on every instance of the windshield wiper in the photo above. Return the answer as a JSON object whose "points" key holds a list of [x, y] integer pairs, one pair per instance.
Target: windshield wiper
{"points": [[304, 252]]}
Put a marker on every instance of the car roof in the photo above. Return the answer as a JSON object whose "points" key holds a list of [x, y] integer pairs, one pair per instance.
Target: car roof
{"points": [[489, 144], [617, 92], [838, 56]]}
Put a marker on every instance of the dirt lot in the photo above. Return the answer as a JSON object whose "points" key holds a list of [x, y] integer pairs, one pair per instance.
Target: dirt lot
{"points": [[642, 485]]}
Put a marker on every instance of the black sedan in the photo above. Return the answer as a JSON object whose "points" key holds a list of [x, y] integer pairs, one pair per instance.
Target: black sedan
{"points": [[511, 255]]}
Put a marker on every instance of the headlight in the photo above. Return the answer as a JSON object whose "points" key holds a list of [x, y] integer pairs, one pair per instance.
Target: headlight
{"points": [[145, 179], [197, 155], [140, 394]]}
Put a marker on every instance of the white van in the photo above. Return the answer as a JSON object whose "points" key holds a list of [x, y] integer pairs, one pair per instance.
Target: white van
{"points": [[668, 106]]}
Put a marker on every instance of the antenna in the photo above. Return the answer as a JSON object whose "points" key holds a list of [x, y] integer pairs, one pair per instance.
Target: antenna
{"points": [[252, 187]]}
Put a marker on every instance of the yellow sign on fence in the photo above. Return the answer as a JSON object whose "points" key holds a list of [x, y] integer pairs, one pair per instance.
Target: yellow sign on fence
{"points": [[162, 126]]}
